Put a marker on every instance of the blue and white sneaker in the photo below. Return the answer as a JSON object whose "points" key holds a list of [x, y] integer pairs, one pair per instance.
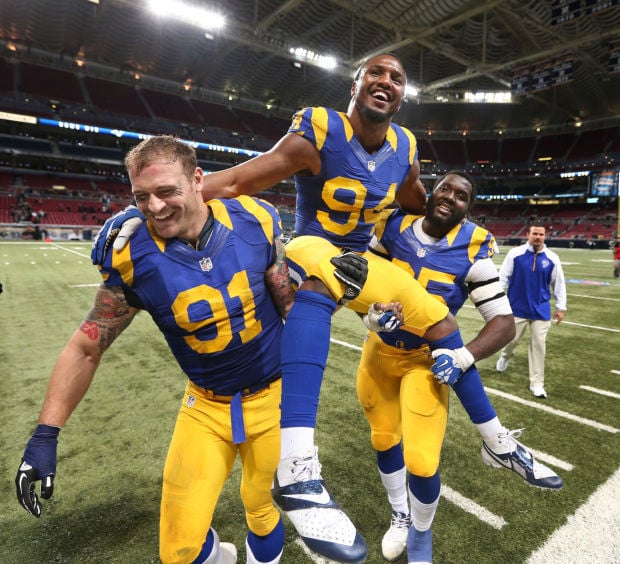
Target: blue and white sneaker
{"points": [[300, 492], [419, 547], [507, 452]]}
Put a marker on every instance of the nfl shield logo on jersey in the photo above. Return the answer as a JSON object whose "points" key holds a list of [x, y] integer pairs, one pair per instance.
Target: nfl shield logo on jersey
{"points": [[372, 165], [205, 264]]}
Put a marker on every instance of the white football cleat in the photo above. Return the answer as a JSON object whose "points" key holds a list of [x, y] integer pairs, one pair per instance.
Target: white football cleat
{"points": [[502, 364], [228, 553], [300, 492], [395, 539], [510, 453]]}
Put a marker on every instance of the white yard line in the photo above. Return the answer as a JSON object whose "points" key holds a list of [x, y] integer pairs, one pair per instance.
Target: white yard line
{"points": [[558, 412], [600, 392], [590, 534], [472, 507], [610, 329], [595, 297]]}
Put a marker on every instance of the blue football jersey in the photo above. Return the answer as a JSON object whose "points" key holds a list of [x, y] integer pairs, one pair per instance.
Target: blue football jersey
{"points": [[341, 203], [440, 267], [212, 305]]}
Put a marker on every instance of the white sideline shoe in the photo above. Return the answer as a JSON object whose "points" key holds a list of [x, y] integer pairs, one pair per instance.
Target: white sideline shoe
{"points": [[538, 391], [301, 493], [502, 364], [395, 539], [520, 460]]}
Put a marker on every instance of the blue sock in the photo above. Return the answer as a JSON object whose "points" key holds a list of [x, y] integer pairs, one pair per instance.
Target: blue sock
{"points": [[425, 490], [305, 346], [207, 547], [265, 549], [471, 394], [391, 459]]}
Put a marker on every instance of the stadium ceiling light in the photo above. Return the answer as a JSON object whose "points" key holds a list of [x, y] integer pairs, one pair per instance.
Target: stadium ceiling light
{"points": [[501, 97], [306, 55], [411, 91], [200, 17]]}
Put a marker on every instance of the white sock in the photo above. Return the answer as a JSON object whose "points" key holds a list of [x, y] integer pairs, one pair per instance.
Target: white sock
{"points": [[295, 440], [422, 514], [395, 485], [490, 428]]}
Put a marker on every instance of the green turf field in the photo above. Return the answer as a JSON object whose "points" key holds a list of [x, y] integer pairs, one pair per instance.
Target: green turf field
{"points": [[111, 452]]}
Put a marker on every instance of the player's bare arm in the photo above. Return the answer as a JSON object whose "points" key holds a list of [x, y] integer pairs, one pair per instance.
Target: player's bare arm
{"points": [[495, 334], [411, 195], [292, 154], [279, 282], [76, 365]]}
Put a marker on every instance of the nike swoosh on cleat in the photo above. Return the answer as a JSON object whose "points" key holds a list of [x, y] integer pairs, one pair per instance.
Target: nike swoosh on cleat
{"points": [[322, 498]]}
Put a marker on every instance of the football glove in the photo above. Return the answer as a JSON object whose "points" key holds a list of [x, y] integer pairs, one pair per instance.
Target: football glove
{"points": [[38, 463], [352, 271], [378, 320], [116, 231], [450, 364]]}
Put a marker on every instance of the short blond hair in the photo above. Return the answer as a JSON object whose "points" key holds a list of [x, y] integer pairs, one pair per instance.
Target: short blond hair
{"points": [[162, 147]]}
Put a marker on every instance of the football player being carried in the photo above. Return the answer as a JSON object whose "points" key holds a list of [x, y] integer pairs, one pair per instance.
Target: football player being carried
{"points": [[407, 409]]}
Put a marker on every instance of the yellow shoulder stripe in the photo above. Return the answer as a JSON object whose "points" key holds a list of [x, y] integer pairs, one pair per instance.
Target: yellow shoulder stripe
{"points": [[477, 238], [220, 212], [319, 125], [259, 212]]}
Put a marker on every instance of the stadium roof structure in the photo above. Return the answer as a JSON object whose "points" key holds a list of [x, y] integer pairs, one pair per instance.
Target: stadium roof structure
{"points": [[560, 58]]}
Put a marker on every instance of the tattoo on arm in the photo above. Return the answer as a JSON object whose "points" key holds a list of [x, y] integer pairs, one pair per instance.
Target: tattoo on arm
{"points": [[279, 282], [108, 317]]}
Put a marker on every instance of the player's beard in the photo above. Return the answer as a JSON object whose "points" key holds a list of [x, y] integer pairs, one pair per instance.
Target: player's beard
{"points": [[373, 115]]}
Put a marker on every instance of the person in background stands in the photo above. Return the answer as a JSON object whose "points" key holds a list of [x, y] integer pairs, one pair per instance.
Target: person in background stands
{"points": [[532, 273]]}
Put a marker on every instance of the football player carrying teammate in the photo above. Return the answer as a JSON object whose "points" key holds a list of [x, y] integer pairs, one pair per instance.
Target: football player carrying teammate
{"points": [[403, 398], [215, 281]]}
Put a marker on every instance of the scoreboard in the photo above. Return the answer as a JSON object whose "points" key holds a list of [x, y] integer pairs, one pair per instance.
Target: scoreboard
{"points": [[541, 76], [563, 11]]}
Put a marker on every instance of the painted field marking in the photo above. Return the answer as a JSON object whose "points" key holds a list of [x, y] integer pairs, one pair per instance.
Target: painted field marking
{"points": [[558, 412], [600, 392], [590, 534], [594, 297], [472, 507]]}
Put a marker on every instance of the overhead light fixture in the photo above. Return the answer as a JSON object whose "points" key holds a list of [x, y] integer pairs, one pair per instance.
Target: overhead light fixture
{"points": [[501, 97], [306, 55], [411, 90], [199, 17]]}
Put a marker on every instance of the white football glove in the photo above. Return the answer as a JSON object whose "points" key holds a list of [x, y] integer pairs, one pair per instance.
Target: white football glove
{"points": [[450, 364], [378, 320]]}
